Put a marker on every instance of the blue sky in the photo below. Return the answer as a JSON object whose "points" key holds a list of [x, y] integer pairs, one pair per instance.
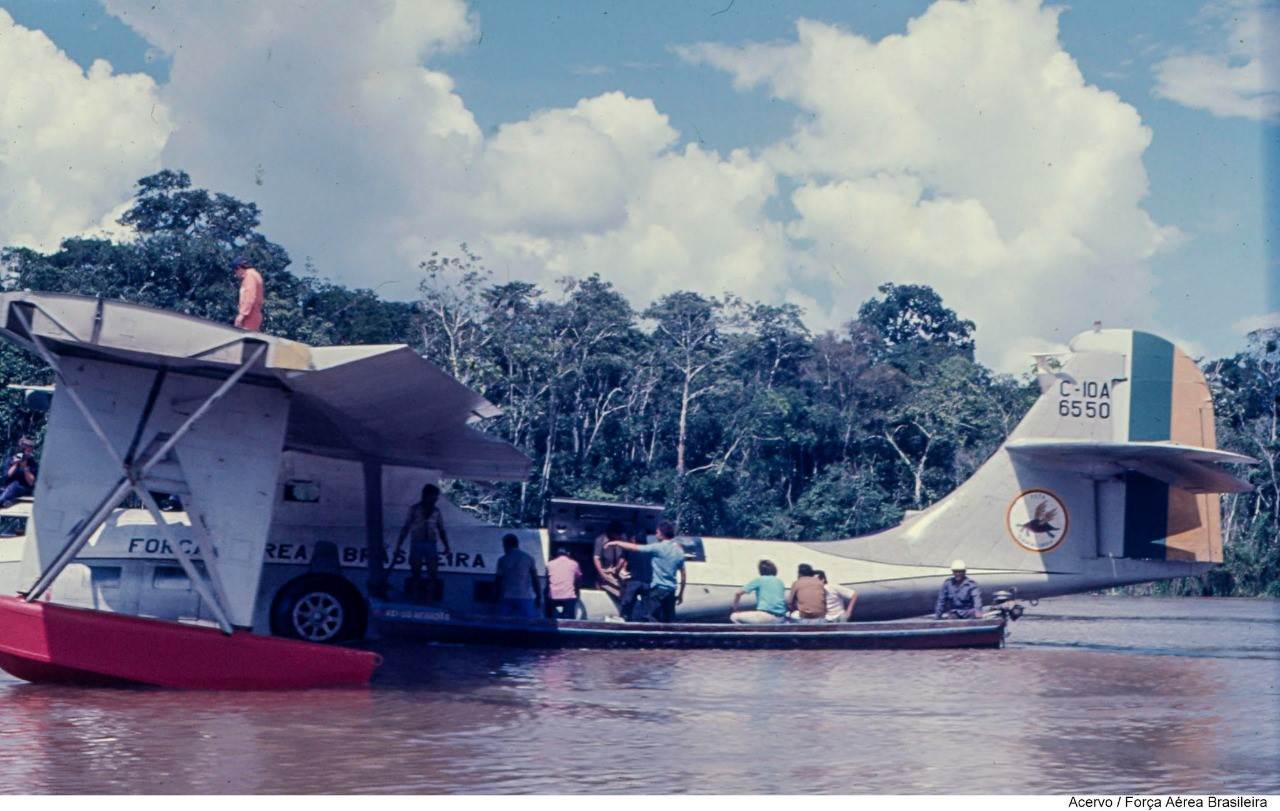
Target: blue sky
{"points": [[1208, 170]]}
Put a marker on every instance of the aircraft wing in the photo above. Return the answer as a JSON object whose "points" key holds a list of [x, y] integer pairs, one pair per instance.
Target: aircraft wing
{"points": [[1187, 467], [390, 404], [378, 402]]}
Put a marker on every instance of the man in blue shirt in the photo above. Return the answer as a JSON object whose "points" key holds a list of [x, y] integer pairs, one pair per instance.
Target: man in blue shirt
{"points": [[517, 582], [666, 560], [771, 598], [959, 597]]}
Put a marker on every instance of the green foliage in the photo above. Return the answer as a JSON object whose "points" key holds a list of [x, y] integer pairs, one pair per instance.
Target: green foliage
{"points": [[912, 329], [1246, 389], [730, 412]]}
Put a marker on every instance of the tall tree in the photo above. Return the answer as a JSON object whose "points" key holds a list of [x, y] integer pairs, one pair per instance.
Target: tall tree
{"points": [[914, 327], [690, 342]]}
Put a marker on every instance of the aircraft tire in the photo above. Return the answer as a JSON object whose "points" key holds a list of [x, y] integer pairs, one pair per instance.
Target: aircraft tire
{"points": [[319, 608]]}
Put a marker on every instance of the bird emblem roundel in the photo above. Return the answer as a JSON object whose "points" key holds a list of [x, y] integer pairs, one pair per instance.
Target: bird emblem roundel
{"points": [[1037, 520]]}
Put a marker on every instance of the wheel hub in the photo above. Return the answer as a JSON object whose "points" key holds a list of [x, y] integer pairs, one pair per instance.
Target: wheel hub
{"points": [[318, 616]]}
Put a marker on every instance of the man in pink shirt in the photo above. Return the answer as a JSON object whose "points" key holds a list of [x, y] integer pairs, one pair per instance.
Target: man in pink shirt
{"points": [[563, 575], [249, 312]]}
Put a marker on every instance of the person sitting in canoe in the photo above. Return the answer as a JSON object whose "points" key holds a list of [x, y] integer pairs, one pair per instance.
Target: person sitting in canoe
{"points": [[959, 597], [807, 599], [840, 599], [771, 598], [666, 559]]}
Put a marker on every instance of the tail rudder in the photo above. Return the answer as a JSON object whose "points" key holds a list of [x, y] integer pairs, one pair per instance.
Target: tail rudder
{"points": [[1134, 412]]}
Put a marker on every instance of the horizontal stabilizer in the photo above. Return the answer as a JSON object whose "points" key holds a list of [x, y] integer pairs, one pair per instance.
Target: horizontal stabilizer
{"points": [[1186, 467]]}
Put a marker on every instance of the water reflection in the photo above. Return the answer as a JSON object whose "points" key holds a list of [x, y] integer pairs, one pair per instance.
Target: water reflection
{"points": [[1046, 714]]}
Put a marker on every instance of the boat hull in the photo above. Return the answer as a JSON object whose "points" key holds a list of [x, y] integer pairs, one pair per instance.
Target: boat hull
{"points": [[437, 625], [50, 643]]}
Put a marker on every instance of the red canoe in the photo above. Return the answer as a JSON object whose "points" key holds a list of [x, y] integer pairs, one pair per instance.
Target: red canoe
{"points": [[46, 642]]}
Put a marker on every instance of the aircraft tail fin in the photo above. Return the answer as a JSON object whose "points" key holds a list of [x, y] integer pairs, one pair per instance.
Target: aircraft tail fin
{"points": [[1114, 470], [1133, 413]]}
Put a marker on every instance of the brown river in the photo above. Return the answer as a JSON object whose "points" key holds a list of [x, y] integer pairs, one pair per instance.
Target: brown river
{"points": [[1092, 694]]}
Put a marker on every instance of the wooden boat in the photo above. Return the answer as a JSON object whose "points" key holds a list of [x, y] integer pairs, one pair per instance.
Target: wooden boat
{"points": [[439, 625]]}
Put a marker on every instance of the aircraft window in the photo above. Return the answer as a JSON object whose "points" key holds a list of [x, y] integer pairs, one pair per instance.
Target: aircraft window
{"points": [[170, 578], [37, 400], [300, 490], [106, 577], [168, 502], [693, 549], [12, 526]]}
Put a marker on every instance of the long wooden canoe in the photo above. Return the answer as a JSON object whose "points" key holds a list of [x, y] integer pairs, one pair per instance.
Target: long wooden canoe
{"points": [[439, 625]]}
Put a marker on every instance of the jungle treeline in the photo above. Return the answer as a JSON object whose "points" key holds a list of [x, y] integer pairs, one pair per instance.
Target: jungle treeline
{"points": [[730, 412]]}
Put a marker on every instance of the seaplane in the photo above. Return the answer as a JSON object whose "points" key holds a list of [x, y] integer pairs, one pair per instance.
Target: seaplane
{"points": [[219, 508]]}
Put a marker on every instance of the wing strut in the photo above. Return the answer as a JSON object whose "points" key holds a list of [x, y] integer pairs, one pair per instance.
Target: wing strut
{"points": [[134, 473]]}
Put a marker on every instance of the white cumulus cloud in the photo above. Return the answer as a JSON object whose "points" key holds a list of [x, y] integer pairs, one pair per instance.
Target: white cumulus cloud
{"points": [[364, 159], [323, 114], [1239, 77], [692, 221], [72, 142], [1256, 322], [571, 169], [969, 154]]}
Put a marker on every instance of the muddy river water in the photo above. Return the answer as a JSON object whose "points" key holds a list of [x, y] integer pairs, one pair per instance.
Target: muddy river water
{"points": [[1091, 694]]}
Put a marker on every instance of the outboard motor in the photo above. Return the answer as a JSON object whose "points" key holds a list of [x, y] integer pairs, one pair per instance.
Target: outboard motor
{"points": [[1004, 604]]}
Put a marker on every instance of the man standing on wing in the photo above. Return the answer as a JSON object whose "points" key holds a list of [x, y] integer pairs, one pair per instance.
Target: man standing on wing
{"points": [[249, 308]]}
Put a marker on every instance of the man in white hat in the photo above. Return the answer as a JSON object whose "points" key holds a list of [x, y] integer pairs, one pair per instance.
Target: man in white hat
{"points": [[959, 597]]}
